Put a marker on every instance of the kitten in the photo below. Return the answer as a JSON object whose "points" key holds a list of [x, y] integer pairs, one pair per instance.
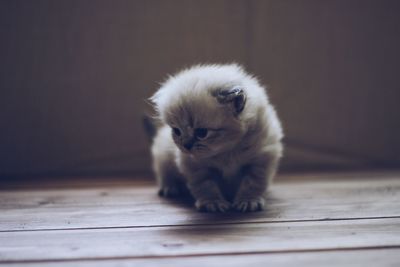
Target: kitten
{"points": [[219, 137]]}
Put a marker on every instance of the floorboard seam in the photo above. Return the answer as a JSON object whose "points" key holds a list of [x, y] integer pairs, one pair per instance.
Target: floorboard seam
{"points": [[86, 259], [198, 224]]}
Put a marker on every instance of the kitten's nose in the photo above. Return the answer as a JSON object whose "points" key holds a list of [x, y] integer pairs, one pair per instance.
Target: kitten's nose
{"points": [[188, 145]]}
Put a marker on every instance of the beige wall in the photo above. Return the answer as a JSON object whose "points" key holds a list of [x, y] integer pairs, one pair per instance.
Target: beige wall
{"points": [[74, 76]]}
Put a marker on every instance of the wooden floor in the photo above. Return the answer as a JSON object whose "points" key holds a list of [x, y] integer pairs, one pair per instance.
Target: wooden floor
{"points": [[339, 219]]}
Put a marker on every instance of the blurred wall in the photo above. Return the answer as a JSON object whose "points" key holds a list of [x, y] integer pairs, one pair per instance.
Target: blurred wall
{"points": [[74, 76]]}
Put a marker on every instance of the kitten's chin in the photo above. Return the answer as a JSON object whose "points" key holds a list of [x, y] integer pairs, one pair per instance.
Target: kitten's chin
{"points": [[196, 154], [204, 154]]}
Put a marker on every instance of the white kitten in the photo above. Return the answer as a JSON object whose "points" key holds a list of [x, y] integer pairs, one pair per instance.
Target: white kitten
{"points": [[220, 138]]}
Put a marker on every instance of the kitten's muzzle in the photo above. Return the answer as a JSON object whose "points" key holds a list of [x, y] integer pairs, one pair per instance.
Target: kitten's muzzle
{"points": [[188, 145]]}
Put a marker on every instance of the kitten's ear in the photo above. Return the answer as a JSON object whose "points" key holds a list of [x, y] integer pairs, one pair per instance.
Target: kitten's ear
{"points": [[234, 96]]}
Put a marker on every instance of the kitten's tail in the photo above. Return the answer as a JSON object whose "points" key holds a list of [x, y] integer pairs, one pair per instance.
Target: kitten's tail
{"points": [[150, 126]]}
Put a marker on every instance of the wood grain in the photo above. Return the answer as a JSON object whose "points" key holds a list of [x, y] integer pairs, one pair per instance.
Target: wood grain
{"points": [[137, 205], [198, 240], [381, 257], [331, 219]]}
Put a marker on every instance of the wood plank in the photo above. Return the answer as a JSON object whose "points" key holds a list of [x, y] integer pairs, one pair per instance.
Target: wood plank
{"points": [[198, 240], [381, 257], [137, 205]]}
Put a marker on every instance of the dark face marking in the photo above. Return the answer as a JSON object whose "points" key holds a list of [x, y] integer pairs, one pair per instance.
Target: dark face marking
{"points": [[189, 144]]}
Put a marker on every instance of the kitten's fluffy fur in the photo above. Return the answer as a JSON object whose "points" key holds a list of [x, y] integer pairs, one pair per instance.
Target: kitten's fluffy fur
{"points": [[220, 138]]}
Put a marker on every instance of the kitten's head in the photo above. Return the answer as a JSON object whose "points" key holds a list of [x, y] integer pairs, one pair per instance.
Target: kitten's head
{"points": [[204, 106]]}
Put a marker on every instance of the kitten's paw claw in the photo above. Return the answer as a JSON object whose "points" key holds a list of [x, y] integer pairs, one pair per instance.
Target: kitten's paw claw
{"points": [[214, 205], [169, 191], [244, 205]]}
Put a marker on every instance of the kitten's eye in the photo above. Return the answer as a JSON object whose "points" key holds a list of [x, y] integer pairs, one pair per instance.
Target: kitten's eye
{"points": [[176, 131], [201, 133]]}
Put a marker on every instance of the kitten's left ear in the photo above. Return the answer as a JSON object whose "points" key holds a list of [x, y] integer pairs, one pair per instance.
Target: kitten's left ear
{"points": [[234, 96]]}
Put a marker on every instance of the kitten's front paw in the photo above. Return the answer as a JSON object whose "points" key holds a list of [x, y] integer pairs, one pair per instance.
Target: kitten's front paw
{"points": [[249, 204], [169, 191], [213, 205]]}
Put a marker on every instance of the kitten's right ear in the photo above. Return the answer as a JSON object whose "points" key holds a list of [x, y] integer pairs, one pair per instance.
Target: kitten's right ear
{"points": [[234, 96]]}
